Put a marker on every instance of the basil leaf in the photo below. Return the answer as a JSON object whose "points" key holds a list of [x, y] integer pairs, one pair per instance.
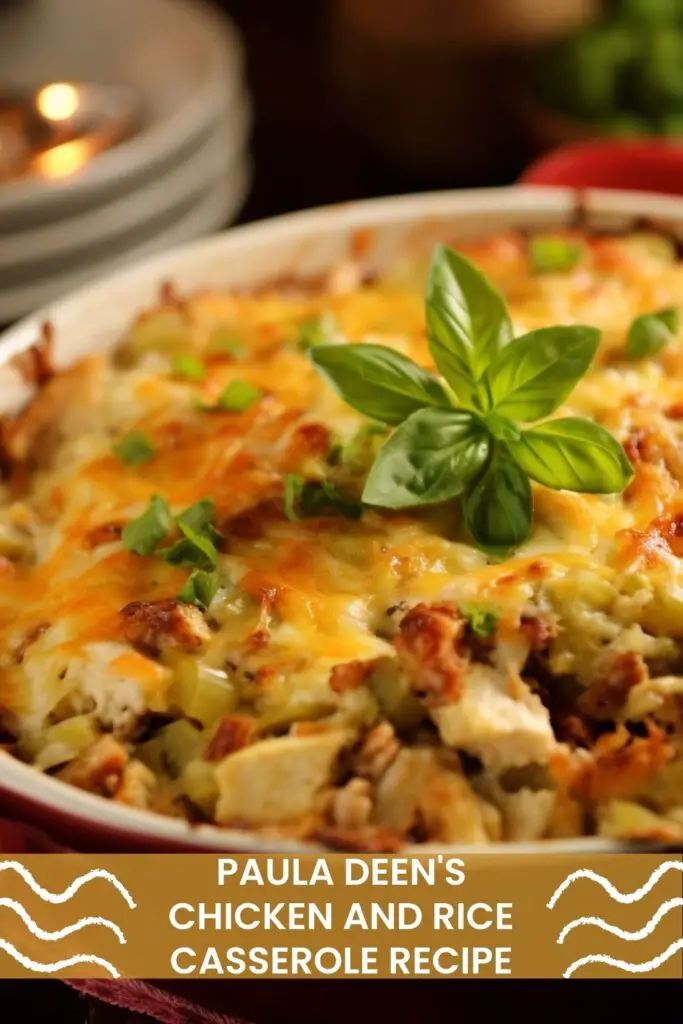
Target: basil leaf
{"points": [[535, 374], [193, 549], [305, 499], [498, 508], [553, 254], [134, 448], [573, 454], [188, 366], [377, 381], [651, 332], [482, 620], [430, 457], [144, 534], [200, 589], [467, 322]]}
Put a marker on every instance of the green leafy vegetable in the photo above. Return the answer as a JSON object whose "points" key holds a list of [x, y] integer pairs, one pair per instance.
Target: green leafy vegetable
{"points": [[478, 453], [482, 619], [193, 549], [498, 508], [144, 534], [306, 499], [200, 517], [200, 589], [536, 373], [651, 332], [573, 454], [467, 323], [553, 254], [430, 457], [134, 448], [379, 382], [188, 366]]}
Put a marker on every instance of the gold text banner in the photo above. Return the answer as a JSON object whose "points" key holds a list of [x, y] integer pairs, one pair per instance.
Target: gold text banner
{"points": [[445, 916]]}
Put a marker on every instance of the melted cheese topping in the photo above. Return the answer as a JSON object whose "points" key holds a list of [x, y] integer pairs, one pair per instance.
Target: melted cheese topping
{"points": [[259, 710]]}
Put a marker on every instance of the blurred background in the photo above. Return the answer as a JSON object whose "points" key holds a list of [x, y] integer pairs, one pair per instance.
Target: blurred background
{"points": [[127, 127]]}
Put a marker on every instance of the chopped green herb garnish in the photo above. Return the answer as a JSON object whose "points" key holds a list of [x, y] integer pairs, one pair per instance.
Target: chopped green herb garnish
{"points": [[193, 549], [200, 589], [134, 448], [316, 330], [305, 499], [651, 332], [553, 254], [238, 396], [482, 620], [464, 440], [293, 488], [188, 366], [144, 534], [197, 546], [200, 517]]}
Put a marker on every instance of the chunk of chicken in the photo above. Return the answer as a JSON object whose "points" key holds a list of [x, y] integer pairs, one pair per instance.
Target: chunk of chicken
{"points": [[277, 780], [498, 719], [418, 788]]}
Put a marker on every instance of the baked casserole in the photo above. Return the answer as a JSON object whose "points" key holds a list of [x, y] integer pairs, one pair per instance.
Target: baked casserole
{"points": [[203, 615]]}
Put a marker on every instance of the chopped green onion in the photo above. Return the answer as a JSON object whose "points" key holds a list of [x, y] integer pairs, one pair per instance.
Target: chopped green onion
{"points": [[134, 448], [553, 254], [482, 620], [237, 397], [188, 366], [293, 487]]}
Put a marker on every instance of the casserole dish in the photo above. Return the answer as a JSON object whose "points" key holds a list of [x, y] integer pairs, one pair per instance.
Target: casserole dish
{"points": [[294, 248]]}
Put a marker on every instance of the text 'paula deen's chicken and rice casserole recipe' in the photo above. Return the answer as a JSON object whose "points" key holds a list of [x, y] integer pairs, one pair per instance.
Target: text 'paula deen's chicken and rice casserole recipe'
{"points": [[337, 562]]}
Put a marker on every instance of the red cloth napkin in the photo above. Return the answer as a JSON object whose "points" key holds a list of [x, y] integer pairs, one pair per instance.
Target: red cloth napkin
{"points": [[159, 1000]]}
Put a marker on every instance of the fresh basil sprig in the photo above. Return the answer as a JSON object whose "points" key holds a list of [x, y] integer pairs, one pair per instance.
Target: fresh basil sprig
{"points": [[461, 437]]}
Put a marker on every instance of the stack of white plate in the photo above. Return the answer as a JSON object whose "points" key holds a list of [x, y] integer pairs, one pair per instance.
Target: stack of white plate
{"points": [[182, 174]]}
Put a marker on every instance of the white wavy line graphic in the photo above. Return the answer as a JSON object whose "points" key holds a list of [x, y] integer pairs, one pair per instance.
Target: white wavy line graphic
{"points": [[625, 965], [56, 965], [614, 929], [71, 890], [611, 890], [69, 929]]}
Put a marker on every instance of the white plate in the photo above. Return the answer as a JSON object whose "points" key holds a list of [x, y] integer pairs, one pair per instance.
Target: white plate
{"points": [[180, 55], [217, 204], [34, 250], [94, 317]]}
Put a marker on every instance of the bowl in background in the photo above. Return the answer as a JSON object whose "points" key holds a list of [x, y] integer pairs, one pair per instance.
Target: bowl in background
{"points": [[644, 165]]}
